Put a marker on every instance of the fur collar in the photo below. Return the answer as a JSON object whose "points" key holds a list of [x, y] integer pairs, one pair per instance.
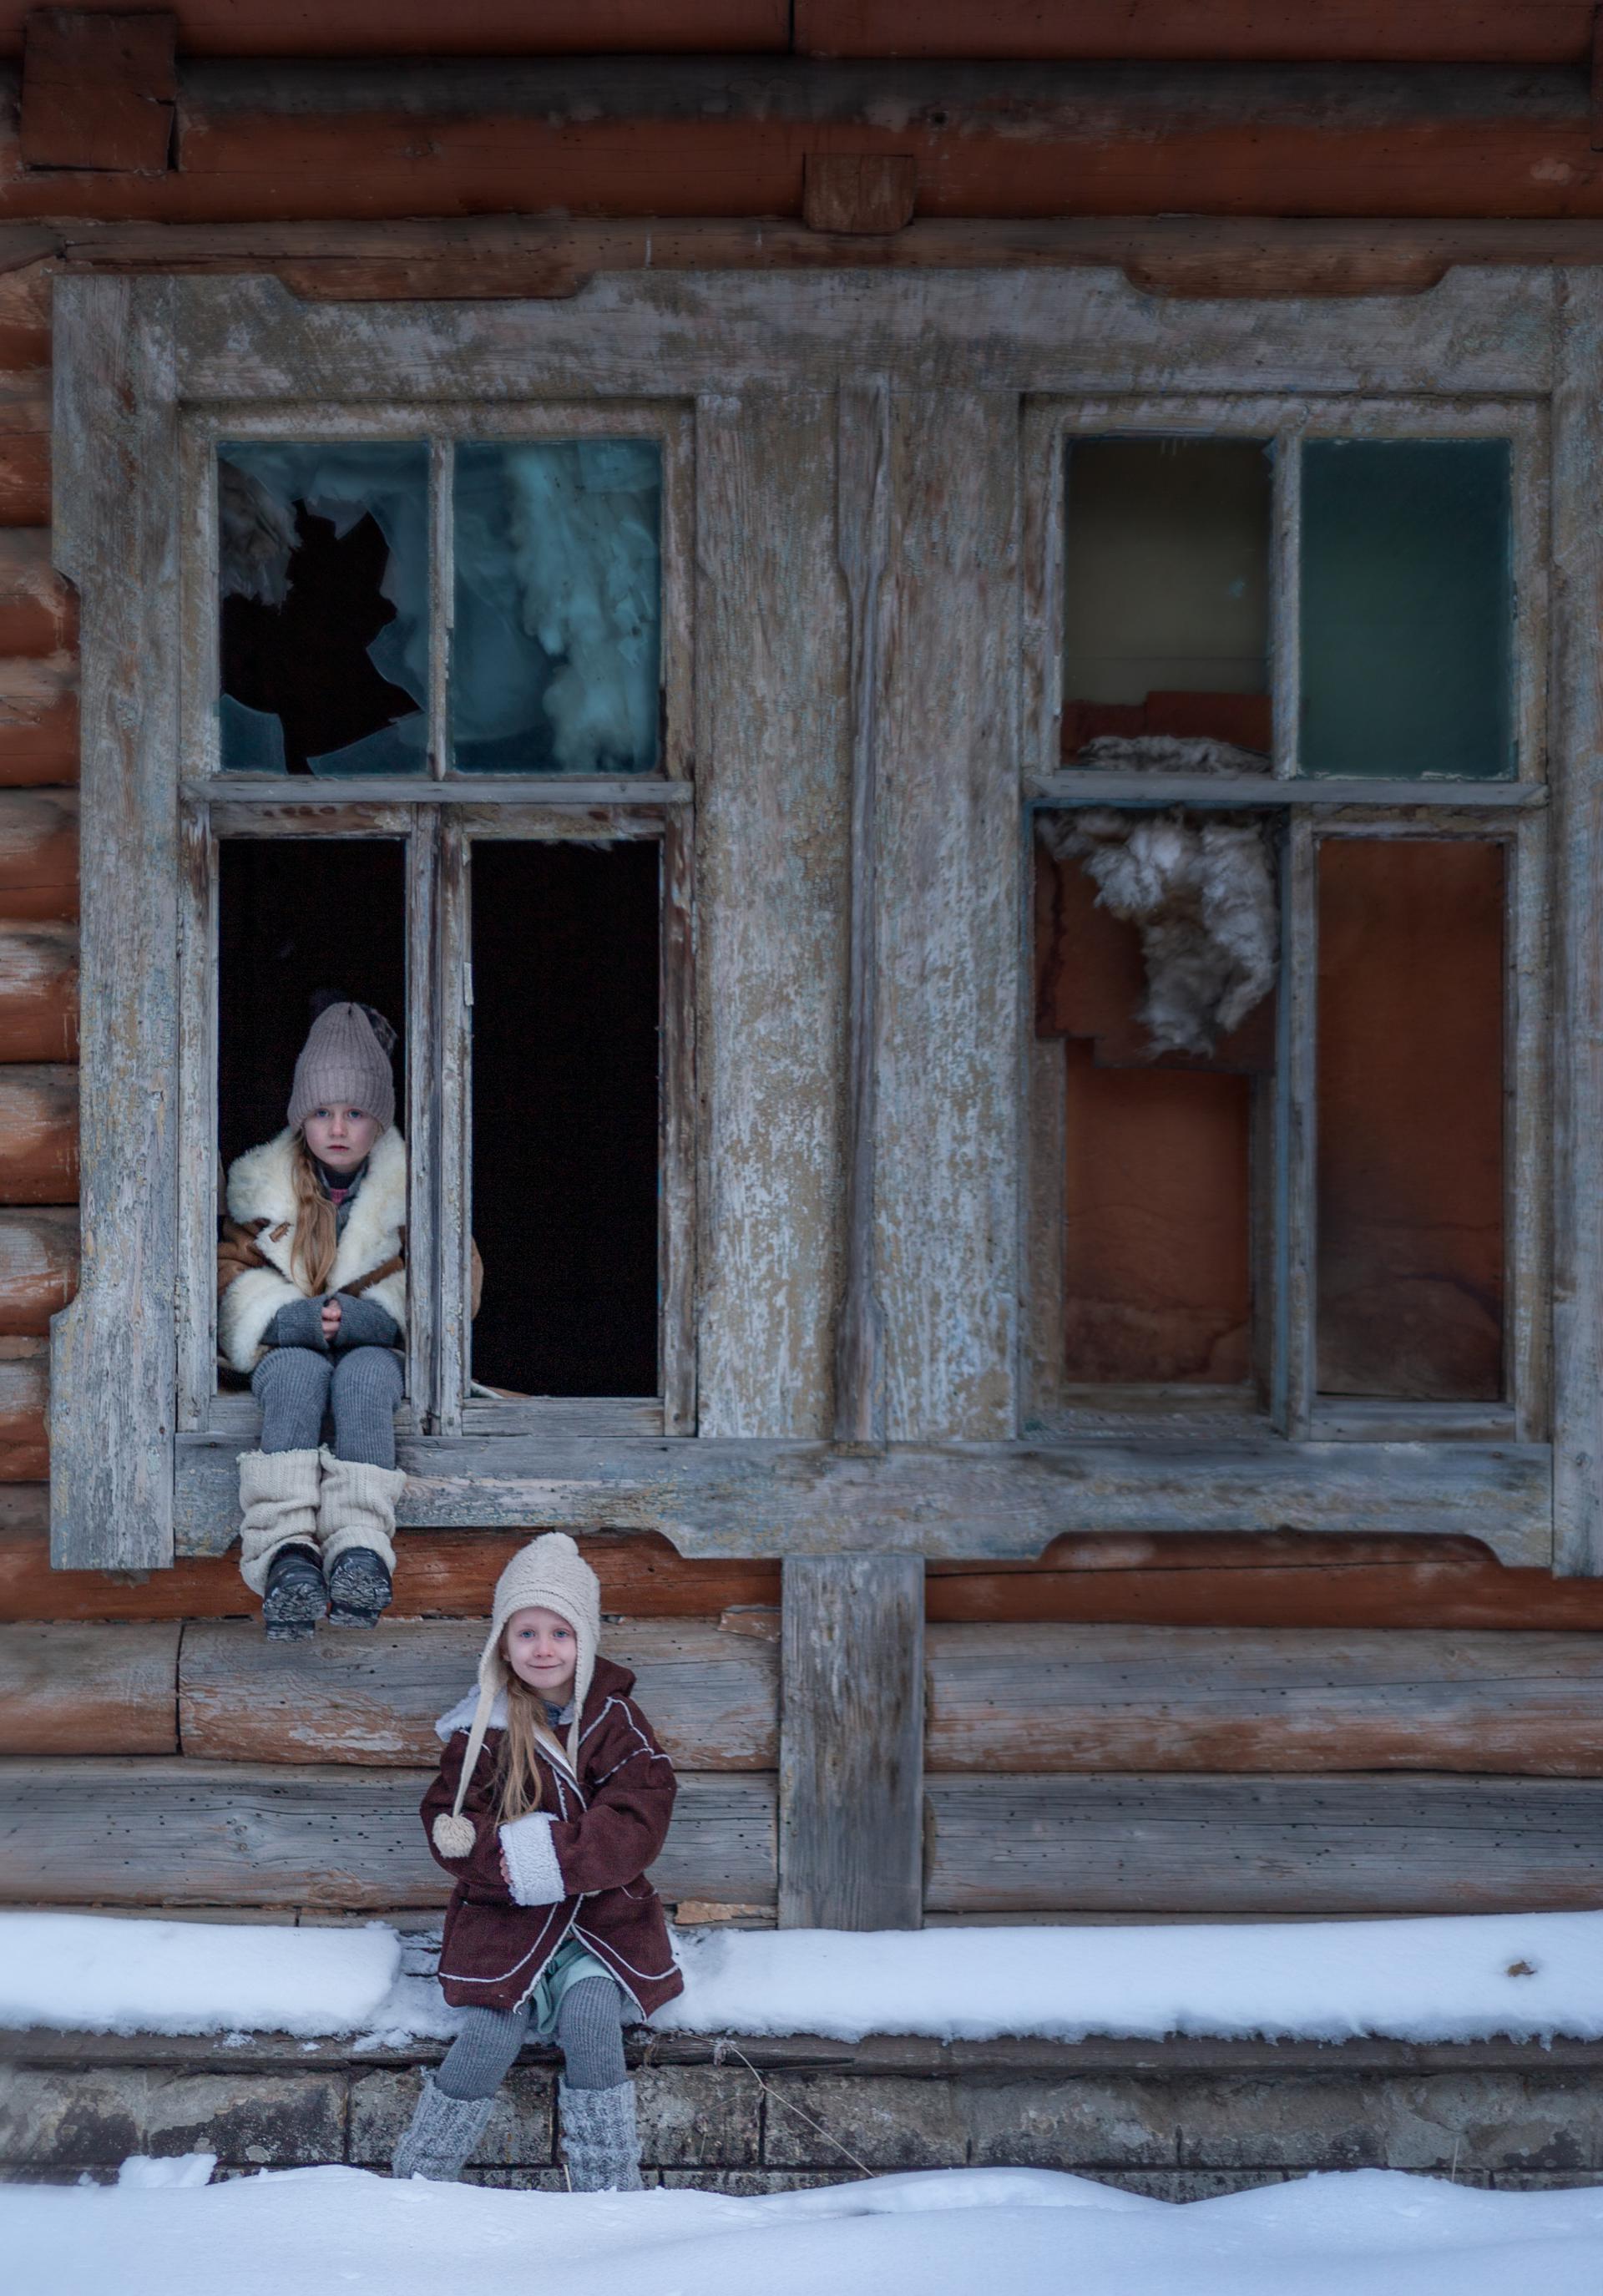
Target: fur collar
{"points": [[261, 1186]]}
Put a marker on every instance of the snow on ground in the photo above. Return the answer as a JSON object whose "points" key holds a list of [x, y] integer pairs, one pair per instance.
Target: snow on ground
{"points": [[1464, 1978], [306, 2231]]}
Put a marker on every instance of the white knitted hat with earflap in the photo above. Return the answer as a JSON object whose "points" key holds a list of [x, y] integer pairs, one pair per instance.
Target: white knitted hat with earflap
{"points": [[551, 1574]]}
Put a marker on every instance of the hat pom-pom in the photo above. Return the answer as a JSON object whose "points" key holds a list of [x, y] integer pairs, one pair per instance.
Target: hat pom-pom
{"points": [[453, 1836]]}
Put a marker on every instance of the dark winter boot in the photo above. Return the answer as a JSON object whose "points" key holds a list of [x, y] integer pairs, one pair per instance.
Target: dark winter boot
{"points": [[295, 1597], [600, 2141], [444, 2132], [359, 1589]]}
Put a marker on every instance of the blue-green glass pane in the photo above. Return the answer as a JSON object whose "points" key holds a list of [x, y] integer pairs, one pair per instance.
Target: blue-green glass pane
{"points": [[556, 648], [1407, 608], [324, 559]]}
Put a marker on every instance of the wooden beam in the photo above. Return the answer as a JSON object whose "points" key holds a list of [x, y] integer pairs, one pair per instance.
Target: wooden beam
{"points": [[98, 90], [39, 614], [89, 1690], [38, 1135], [38, 992], [851, 1743], [1264, 1846], [38, 854], [713, 1696], [1165, 1698], [38, 720], [864, 194], [38, 1269], [107, 1833], [489, 28]]}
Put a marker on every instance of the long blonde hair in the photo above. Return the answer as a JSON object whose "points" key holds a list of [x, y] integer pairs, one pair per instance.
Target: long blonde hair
{"points": [[527, 1734], [316, 1230]]}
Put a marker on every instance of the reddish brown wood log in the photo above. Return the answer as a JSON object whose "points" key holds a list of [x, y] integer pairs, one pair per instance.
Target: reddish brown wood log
{"points": [[38, 855], [38, 1269], [38, 612], [38, 1135], [38, 992], [98, 88], [38, 720], [24, 460], [489, 28], [25, 294], [1106, 1698], [1425, 31], [89, 1690]]}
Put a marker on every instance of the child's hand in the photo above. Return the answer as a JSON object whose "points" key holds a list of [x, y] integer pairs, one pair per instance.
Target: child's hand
{"points": [[331, 1312]]}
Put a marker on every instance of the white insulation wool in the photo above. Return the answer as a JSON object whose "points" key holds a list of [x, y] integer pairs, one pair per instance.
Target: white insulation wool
{"points": [[1201, 894]]}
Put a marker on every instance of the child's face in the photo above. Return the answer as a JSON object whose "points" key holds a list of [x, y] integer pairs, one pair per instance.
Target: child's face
{"points": [[340, 1136], [543, 1649]]}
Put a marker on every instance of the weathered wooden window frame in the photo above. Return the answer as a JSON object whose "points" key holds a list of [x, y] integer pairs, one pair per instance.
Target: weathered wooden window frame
{"points": [[927, 593], [437, 819], [1511, 811]]}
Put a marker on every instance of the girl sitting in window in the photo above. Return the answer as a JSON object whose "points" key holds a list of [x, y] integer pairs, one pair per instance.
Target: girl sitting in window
{"points": [[553, 1797], [312, 1307]]}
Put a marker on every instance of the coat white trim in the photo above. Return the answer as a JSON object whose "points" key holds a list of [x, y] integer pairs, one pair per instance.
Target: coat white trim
{"points": [[533, 1873], [261, 1186]]}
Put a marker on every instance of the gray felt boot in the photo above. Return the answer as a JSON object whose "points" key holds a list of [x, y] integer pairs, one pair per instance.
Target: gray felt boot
{"points": [[600, 2141], [444, 2131]]}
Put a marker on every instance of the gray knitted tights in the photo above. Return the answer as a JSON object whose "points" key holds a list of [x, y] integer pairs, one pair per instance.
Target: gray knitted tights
{"points": [[359, 1388], [590, 2031]]}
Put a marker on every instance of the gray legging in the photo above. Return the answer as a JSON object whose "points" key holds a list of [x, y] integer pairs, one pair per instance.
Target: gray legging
{"points": [[297, 1387], [590, 2031]]}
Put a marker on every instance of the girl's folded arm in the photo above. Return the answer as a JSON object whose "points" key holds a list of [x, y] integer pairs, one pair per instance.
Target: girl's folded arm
{"points": [[481, 1869], [614, 1840]]}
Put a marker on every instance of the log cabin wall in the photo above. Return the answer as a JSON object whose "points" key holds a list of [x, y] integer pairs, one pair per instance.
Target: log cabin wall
{"points": [[1419, 1726]]}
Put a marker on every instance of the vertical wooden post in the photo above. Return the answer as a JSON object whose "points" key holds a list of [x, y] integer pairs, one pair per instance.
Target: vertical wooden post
{"points": [[863, 526], [1576, 771], [851, 1802]]}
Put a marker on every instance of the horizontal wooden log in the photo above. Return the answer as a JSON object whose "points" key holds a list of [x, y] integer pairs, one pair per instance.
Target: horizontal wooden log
{"points": [[38, 720], [116, 1832], [38, 854], [712, 1697], [751, 1497], [24, 460], [39, 991], [38, 611], [1086, 1699], [89, 1690], [38, 1135], [38, 1269], [1439, 31], [494, 27], [24, 1391], [1265, 1846]]}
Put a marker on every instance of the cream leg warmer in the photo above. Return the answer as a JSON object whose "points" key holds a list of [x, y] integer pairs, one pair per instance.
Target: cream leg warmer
{"points": [[278, 1494], [358, 1508]]}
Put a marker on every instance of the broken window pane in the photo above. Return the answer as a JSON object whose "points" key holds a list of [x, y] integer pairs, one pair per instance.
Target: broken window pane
{"points": [[1407, 608], [555, 658], [1166, 595], [1410, 1118], [324, 559]]}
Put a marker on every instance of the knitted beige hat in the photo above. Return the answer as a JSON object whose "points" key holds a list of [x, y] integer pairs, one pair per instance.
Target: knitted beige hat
{"points": [[551, 1573], [344, 1062]]}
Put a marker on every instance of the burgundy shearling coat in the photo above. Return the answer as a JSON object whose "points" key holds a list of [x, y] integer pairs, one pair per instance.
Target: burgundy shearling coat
{"points": [[605, 1834]]}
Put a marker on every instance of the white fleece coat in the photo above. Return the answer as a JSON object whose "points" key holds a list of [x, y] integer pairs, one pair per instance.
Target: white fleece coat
{"points": [[261, 1188]]}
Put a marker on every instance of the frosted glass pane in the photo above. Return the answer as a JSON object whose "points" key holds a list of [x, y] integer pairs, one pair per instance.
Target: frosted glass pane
{"points": [[1407, 608], [556, 651], [324, 559]]}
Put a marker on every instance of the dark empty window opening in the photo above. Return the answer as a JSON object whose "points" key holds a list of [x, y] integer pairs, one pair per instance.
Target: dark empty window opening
{"points": [[565, 1118]]}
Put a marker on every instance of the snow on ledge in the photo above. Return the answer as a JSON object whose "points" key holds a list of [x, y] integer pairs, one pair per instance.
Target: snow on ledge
{"points": [[1528, 1976]]}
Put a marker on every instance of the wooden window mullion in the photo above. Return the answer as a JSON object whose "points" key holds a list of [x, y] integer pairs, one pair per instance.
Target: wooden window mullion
{"points": [[424, 1370], [1292, 1357]]}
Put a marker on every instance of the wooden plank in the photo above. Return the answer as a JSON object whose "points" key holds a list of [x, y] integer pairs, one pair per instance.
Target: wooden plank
{"points": [[772, 870], [38, 1267], [1264, 1846], [38, 992], [25, 476], [232, 1834], [1498, 31], [116, 537], [38, 613], [1163, 1698], [750, 1497], [98, 90], [89, 1689], [38, 1135], [38, 720], [950, 991], [38, 854], [712, 1697], [495, 28], [1576, 771], [851, 1747], [863, 522], [872, 193]]}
